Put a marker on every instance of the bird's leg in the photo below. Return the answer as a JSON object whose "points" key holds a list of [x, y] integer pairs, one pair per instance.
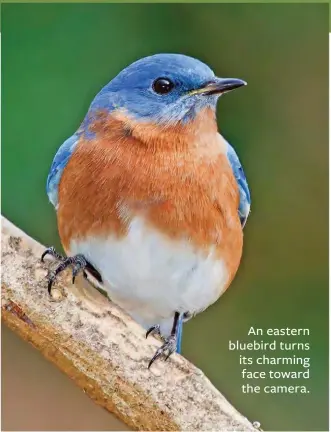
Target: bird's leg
{"points": [[170, 343]]}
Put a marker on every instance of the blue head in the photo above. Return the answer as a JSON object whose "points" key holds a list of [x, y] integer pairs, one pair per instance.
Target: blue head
{"points": [[164, 89]]}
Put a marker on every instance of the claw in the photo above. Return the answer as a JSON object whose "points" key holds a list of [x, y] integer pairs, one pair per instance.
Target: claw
{"points": [[75, 271], [155, 329], [43, 255], [51, 251], [169, 345], [49, 286]]}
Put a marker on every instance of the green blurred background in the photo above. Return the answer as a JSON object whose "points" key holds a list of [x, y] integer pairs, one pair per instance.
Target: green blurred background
{"points": [[56, 57]]}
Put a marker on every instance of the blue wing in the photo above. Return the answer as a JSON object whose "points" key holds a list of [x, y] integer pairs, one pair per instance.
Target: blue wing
{"points": [[245, 197], [59, 162]]}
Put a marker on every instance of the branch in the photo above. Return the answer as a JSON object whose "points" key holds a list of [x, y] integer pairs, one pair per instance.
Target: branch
{"points": [[103, 350]]}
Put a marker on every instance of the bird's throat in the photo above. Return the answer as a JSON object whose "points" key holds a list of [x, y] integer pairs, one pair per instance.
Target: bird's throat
{"points": [[177, 137]]}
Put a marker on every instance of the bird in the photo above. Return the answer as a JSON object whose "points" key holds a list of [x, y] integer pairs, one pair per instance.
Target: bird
{"points": [[150, 198]]}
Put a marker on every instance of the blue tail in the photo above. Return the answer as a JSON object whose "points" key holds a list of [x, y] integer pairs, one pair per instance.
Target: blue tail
{"points": [[179, 333]]}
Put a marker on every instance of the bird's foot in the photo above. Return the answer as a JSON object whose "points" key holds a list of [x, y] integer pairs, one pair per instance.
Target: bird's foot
{"points": [[168, 348], [77, 262]]}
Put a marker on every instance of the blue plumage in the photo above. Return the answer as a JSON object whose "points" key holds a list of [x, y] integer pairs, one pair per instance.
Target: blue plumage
{"points": [[132, 89], [59, 162], [245, 197]]}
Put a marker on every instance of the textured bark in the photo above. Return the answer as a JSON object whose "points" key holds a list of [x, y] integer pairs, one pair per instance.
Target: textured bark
{"points": [[103, 350]]}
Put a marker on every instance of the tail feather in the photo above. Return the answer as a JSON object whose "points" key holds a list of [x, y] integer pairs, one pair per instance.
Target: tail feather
{"points": [[179, 333]]}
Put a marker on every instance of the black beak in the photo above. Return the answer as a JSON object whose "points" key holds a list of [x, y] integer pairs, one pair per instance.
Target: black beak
{"points": [[222, 85]]}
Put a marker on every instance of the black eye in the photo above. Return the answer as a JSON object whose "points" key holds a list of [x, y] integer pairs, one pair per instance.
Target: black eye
{"points": [[162, 86]]}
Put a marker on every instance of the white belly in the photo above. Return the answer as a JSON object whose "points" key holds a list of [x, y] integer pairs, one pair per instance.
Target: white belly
{"points": [[151, 276]]}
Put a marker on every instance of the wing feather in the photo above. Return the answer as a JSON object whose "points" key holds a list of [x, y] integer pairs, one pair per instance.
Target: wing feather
{"points": [[59, 162], [238, 171]]}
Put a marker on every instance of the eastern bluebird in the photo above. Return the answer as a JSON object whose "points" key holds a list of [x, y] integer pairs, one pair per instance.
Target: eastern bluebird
{"points": [[150, 198]]}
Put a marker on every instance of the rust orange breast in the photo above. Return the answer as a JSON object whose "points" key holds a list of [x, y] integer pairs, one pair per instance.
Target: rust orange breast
{"points": [[179, 180]]}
